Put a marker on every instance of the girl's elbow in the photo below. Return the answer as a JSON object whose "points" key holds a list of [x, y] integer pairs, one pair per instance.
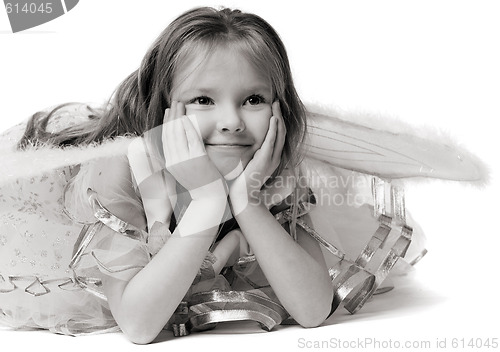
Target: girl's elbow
{"points": [[312, 318], [315, 315], [312, 321], [138, 334], [140, 338]]}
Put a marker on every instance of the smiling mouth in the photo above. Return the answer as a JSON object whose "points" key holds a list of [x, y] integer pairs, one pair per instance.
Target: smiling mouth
{"points": [[230, 149], [228, 145]]}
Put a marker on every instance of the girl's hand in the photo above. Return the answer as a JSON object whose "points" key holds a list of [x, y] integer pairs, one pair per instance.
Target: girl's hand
{"points": [[185, 156], [246, 188]]}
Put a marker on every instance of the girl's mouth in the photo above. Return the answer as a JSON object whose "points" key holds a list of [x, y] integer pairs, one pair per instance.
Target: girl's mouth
{"points": [[229, 148], [228, 145]]}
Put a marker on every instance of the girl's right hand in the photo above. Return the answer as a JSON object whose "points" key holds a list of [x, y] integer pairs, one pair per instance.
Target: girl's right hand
{"points": [[186, 158]]}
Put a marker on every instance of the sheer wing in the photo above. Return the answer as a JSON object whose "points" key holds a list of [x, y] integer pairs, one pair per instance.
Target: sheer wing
{"points": [[376, 149]]}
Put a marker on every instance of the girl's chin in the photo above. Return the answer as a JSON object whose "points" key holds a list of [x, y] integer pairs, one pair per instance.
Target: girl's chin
{"points": [[229, 166]]}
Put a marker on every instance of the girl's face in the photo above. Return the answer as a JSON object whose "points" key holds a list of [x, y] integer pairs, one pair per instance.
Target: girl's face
{"points": [[232, 104]]}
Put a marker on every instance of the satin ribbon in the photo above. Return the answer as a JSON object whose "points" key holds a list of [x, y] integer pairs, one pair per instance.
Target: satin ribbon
{"points": [[212, 307]]}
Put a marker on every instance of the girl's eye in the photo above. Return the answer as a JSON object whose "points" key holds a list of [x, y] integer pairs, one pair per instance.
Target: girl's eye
{"points": [[201, 101], [255, 99]]}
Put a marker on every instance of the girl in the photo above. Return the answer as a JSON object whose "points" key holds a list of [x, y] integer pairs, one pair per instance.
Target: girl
{"points": [[187, 207], [229, 72]]}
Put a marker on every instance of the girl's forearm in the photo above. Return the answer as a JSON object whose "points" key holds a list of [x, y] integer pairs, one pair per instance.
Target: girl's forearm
{"points": [[143, 306], [301, 282]]}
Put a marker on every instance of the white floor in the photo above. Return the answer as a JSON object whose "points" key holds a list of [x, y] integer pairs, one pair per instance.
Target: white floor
{"points": [[409, 316]]}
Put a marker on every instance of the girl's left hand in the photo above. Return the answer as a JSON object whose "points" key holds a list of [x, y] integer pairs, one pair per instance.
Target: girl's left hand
{"points": [[246, 188]]}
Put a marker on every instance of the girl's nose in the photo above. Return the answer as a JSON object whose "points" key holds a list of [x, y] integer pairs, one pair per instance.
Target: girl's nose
{"points": [[229, 121]]}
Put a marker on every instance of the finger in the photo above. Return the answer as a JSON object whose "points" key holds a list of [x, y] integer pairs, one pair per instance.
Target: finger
{"points": [[181, 129], [173, 110], [180, 112], [195, 124], [281, 132], [169, 136], [276, 109], [195, 144], [165, 138], [181, 109], [172, 135], [269, 141], [177, 134], [166, 117], [281, 121]]}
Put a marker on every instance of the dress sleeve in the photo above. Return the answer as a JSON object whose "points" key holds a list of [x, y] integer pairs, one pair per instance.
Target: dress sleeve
{"points": [[113, 241]]}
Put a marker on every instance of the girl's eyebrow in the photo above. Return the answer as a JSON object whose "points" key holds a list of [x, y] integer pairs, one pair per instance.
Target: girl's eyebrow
{"points": [[212, 90], [260, 87], [199, 90], [190, 93]]}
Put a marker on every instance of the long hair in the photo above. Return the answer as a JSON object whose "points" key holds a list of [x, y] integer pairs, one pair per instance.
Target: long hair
{"points": [[139, 102]]}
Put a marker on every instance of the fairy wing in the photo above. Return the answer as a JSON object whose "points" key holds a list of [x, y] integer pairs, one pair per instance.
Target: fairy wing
{"points": [[387, 148], [33, 162]]}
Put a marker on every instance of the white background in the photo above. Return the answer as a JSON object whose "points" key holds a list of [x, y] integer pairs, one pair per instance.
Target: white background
{"points": [[425, 62]]}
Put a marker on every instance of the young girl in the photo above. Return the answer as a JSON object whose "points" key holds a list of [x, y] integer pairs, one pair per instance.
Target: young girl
{"points": [[187, 208]]}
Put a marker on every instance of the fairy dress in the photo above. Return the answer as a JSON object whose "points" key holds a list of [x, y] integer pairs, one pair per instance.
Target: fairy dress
{"points": [[58, 238]]}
